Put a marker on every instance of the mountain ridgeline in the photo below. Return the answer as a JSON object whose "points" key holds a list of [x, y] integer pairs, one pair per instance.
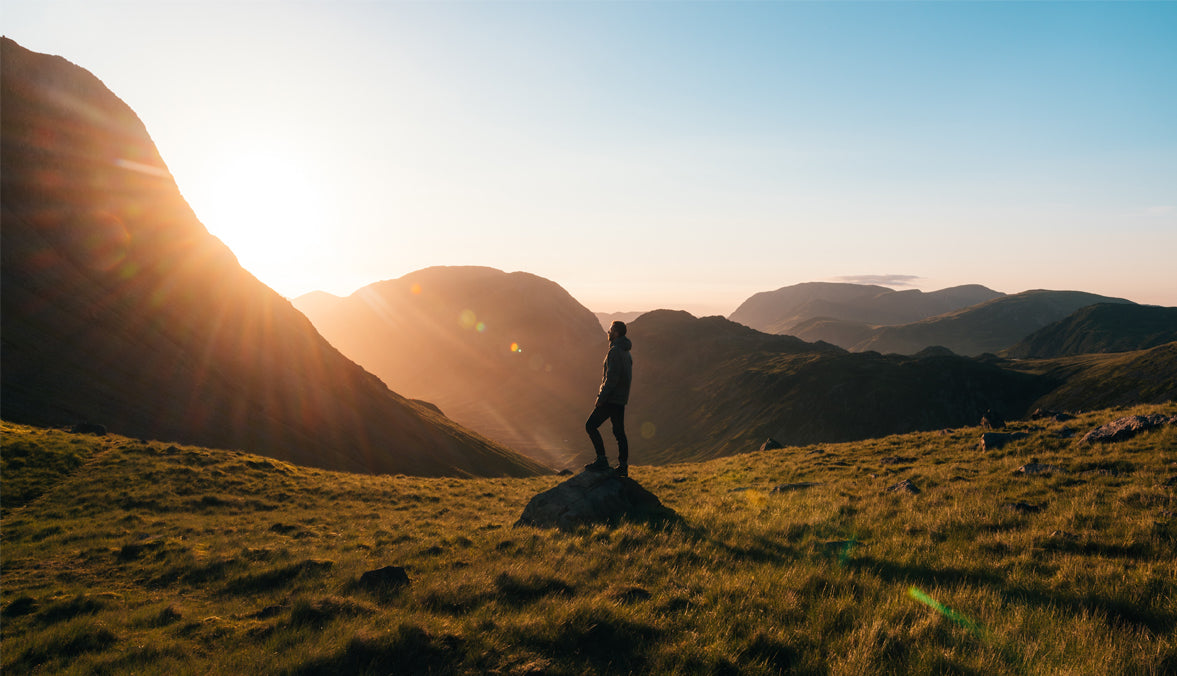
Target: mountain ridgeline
{"points": [[512, 355], [120, 309], [1100, 328], [781, 311], [968, 320], [710, 387]]}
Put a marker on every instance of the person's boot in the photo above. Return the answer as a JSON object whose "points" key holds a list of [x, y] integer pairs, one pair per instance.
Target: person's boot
{"points": [[622, 470], [601, 464]]}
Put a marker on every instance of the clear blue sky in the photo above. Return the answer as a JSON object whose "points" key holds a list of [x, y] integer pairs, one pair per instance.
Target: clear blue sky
{"points": [[668, 154]]}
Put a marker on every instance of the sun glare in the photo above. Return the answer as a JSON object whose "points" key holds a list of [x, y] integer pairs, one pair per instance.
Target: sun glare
{"points": [[264, 205]]}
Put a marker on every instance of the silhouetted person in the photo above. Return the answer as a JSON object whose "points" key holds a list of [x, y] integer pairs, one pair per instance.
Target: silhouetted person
{"points": [[611, 401]]}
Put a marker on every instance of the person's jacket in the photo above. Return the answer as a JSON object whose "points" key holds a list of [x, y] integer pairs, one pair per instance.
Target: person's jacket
{"points": [[617, 373]]}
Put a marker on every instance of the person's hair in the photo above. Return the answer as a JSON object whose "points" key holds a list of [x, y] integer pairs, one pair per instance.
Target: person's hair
{"points": [[620, 326]]}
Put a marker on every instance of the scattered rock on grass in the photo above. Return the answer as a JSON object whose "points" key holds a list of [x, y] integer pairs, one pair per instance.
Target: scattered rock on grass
{"points": [[992, 420], [995, 440], [770, 445], [905, 486], [1038, 468], [1126, 428]]}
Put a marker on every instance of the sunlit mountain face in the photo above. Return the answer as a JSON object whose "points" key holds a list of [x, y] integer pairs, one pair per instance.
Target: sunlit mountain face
{"points": [[120, 309], [512, 355]]}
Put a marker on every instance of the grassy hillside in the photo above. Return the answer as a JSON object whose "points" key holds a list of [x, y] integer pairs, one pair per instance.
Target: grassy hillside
{"points": [[1106, 327], [1104, 380], [125, 556]]}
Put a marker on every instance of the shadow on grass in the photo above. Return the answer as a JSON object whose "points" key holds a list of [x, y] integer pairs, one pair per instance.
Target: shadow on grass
{"points": [[1116, 610], [408, 650], [277, 577], [597, 640]]}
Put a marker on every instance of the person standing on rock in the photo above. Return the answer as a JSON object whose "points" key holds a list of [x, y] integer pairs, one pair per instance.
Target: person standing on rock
{"points": [[611, 401]]}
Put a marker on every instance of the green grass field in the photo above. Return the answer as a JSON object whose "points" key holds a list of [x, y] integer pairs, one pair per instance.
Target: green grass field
{"points": [[124, 556]]}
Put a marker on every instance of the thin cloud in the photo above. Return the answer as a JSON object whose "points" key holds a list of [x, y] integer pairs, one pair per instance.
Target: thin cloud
{"points": [[881, 280]]}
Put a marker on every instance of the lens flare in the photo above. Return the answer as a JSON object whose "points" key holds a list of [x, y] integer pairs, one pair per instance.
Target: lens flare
{"points": [[516, 348], [944, 610], [467, 319], [415, 289], [648, 430], [480, 327]]}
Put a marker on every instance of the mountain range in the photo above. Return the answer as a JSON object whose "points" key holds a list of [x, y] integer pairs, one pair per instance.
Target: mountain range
{"points": [[512, 355], [781, 311], [120, 309], [968, 320]]}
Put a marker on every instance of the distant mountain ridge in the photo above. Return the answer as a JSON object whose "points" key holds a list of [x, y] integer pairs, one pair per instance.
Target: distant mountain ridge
{"points": [[512, 355], [709, 387], [1100, 328], [988, 327], [119, 308], [780, 311]]}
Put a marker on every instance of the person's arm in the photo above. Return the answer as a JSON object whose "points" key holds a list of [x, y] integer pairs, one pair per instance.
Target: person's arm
{"points": [[612, 376]]}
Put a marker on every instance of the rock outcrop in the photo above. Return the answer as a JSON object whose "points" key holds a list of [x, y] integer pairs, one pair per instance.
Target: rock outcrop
{"points": [[1126, 428], [595, 497]]}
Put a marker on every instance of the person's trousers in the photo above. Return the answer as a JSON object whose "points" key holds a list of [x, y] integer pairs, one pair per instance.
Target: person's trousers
{"points": [[616, 414]]}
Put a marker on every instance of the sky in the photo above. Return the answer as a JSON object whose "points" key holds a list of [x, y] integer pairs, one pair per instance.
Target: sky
{"points": [[666, 154]]}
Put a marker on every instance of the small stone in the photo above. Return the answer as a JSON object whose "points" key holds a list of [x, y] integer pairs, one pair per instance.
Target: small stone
{"points": [[1038, 468], [905, 486]]}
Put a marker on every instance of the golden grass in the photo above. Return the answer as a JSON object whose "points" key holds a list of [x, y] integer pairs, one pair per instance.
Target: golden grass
{"points": [[123, 556]]}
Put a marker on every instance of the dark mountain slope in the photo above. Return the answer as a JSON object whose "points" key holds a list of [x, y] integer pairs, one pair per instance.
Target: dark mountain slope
{"points": [[1094, 381], [781, 311], [119, 308], [709, 387], [988, 327], [445, 335], [1105, 327]]}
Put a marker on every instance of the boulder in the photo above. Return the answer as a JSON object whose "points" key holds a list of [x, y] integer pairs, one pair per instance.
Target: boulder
{"points": [[1038, 468], [905, 486], [1126, 428], [994, 440], [770, 445], [992, 420], [595, 497]]}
